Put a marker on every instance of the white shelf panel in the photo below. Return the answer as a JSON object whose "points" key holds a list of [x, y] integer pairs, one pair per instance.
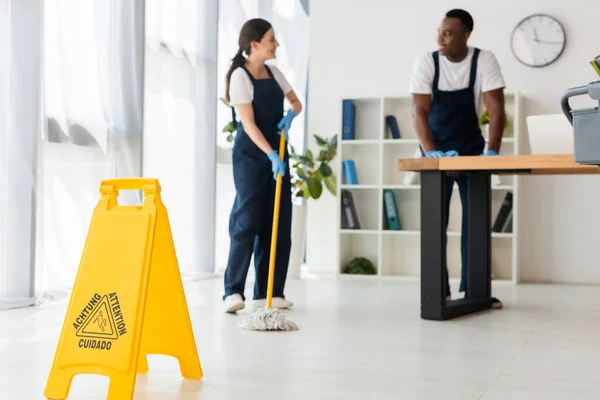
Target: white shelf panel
{"points": [[505, 140], [401, 141], [500, 235], [399, 187], [357, 142], [418, 187], [346, 186], [503, 187], [359, 231], [401, 233]]}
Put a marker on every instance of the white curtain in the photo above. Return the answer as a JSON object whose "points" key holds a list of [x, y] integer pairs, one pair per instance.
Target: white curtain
{"points": [[291, 25], [20, 69], [93, 84], [179, 126]]}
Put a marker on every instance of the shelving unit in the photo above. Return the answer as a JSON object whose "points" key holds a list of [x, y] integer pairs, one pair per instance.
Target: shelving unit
{"points": [[375, 154]]}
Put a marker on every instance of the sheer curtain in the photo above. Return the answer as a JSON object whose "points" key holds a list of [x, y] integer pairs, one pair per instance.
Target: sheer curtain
{"points": [[93, 85], [179, 124], [20, 61], [291, 24]]}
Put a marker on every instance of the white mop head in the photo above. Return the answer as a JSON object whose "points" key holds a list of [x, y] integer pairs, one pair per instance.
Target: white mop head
{"points": [[267, 319]]}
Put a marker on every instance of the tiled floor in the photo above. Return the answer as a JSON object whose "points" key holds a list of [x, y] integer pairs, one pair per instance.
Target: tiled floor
{"points": [[358, 339]]}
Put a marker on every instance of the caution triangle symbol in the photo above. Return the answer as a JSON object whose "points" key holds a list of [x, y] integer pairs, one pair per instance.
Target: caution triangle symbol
{"points": [[100, 324]]}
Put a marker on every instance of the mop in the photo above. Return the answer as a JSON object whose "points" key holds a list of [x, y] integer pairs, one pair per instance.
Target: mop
{"points": [[271, 319]]}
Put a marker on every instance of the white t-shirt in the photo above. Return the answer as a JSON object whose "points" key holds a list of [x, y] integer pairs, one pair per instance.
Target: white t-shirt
{"points": [[241, 90], [455, 76]]}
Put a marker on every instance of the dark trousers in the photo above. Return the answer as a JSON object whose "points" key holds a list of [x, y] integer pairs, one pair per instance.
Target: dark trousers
{"points": [[463, 188], [250, 227]]}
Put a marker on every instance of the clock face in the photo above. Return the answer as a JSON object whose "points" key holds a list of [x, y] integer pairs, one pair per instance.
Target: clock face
{"points": [[538, 40]]}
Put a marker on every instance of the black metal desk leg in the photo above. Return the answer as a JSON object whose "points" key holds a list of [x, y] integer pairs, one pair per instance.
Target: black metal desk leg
{"points": [[433, 249], [479, 225]]}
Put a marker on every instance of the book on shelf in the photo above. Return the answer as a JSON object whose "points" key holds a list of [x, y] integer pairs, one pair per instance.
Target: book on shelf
{"points": [[349, 173], [391, 210], [349, 215], [503, 221], [392, 127], [348, 119]]}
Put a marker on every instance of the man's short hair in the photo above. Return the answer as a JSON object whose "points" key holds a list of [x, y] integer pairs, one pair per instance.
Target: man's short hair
{"points": [[464, 16]]}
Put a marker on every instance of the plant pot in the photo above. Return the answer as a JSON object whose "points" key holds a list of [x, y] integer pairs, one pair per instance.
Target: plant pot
{"points": [[298, 241]]}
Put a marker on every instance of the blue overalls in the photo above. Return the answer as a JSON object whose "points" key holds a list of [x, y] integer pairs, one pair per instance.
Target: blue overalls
{"points": [[455, 126], [251, 219]]}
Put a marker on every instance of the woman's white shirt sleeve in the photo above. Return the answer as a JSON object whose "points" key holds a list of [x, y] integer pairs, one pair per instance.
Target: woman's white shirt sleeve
{"points": [[240, 87]]}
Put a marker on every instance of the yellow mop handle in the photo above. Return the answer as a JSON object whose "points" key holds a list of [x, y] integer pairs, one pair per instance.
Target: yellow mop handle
{"points": [[275, 224]]}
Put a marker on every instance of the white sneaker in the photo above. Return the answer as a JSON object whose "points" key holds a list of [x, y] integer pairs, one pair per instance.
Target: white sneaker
{"points": [[276, 302], [233, 303], [280, 302]]}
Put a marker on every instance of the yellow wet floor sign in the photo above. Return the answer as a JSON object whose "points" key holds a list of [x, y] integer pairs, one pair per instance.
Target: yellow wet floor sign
{"points": [[127, 300]]}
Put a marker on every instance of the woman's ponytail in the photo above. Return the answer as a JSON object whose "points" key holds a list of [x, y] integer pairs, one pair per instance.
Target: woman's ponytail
{"points": [[237, 61]]}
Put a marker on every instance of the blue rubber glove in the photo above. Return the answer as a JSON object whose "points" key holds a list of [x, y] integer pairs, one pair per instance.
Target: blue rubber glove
{"points": [[434, 154], [452, 153], [287, 122], [277, 166], [490, 153]]}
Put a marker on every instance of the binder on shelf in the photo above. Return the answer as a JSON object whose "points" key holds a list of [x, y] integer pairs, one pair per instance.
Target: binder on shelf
{"points": [[349, 214], [504, 214], [348, 119], [350, 172], [391, 211], [392, 126], [507, 227]]}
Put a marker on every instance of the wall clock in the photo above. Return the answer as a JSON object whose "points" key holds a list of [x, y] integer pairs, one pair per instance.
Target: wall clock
{"points": [[538, 40]]}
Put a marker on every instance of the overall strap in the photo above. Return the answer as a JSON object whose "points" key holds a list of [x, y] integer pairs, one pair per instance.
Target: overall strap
{"points": [[269, 71], [249, 74], [473, 69], [233, 115], [436, 76]]}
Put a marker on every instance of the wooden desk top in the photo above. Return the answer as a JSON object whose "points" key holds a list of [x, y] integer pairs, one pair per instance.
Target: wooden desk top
{"points": [[525, 164]]}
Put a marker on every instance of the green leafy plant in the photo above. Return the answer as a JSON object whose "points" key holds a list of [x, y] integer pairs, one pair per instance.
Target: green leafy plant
{"points": [[310, 173], [360, 266], [485, 119], [229, 129]]}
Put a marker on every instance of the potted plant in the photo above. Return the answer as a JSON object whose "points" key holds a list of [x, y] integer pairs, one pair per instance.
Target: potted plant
{"points": [[484, 121], [311, 175], [360, 266]]}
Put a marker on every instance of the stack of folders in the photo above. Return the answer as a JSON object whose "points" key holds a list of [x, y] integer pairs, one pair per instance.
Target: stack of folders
{"points": [[348, 119], [349, 174], [349, 214], [391, 211], [503, 222]]}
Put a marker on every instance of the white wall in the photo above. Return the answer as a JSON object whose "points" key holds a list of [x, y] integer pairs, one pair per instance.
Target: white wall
{"points": [[367, 48]]}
